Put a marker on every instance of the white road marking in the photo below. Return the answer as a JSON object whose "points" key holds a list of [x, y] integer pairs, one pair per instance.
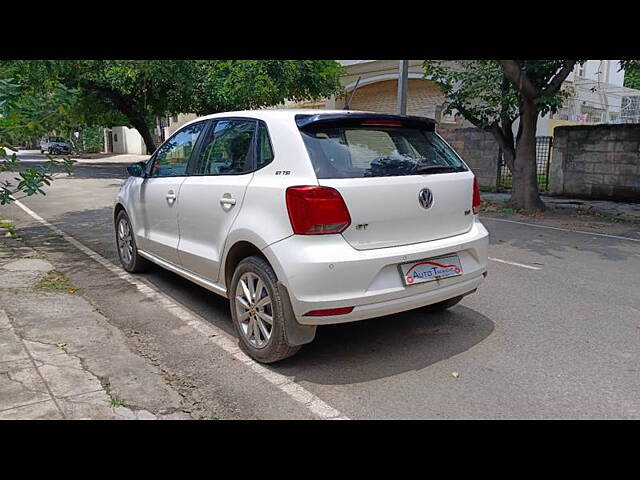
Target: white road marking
{"points": [[514, 263], [214, 334], [564, 229]]}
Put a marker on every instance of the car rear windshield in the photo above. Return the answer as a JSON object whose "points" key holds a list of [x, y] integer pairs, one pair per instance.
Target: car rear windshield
{"points": [[377, 151], [57, 139]]}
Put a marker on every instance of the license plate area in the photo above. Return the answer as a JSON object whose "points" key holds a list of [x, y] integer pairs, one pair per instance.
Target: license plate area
{"points": [[430, 269]]}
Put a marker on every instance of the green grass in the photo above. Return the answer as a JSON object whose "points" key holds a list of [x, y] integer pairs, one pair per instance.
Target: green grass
{"points": [[9, 227], [57, 282], [117, 402], [506, 182]]}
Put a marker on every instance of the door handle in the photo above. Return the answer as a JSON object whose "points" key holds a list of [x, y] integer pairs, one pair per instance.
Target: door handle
{"points": [[171, 197], [227, 201]]}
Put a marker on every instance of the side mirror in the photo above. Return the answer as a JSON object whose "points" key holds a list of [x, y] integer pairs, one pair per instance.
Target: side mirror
{"points": [[137, 169]]}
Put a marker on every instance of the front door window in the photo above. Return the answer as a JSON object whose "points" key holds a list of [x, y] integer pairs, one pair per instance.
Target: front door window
{"points": [[172, 158]]}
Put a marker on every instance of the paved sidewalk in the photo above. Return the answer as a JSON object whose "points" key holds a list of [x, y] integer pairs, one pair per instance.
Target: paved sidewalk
{"points": [[29, 156], [621, 210], [110, 158], [60, 358]]}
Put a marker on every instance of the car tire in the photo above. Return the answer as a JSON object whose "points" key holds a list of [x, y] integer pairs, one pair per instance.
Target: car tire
{"points": [[251, 309], [126, 245], [444, 305]]}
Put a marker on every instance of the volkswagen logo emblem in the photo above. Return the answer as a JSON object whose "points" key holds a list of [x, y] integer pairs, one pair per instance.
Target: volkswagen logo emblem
{"points": [[425, 197]]}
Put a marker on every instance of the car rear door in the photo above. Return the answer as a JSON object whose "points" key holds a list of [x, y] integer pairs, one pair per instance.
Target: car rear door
{"points": [[401, 182], [387, 212], [156, 208], [212, 194]]}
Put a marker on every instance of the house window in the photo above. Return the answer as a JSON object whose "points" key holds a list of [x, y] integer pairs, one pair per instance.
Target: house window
{"points": [[580, 70]]}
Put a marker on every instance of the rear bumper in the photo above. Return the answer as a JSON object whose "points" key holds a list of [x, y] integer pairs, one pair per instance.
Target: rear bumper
{"points": [[323, 272]]}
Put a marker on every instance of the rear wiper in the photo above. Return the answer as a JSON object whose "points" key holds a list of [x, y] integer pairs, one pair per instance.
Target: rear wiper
{"points": [[435, 169]]}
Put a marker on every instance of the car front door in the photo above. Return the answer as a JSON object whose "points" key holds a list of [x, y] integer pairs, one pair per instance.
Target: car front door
{"points": [[157, 207], [212, 194]]}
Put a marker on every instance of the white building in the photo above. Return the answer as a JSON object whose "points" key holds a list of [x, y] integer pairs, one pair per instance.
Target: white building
{"points": [[124, 140], [597, 95]]}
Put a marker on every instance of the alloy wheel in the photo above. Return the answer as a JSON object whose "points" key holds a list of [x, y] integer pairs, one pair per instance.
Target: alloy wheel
{"points": [[254, 309], [125, 241]]}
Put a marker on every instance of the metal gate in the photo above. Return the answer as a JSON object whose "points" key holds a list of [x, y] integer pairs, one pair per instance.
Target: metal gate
{"points": [[543, 158]]}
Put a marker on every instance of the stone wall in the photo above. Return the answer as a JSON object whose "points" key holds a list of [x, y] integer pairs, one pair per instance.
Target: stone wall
{"points": [[596, 161], [477, 148]]}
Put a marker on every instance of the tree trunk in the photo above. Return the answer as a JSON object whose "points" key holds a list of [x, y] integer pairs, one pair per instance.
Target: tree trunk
{"points": [[128, 108], [503, 134], [143, 129], [524, 192]]}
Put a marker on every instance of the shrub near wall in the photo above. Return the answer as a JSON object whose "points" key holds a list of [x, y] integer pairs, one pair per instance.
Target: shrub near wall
{"points": [[91, 140], [596, 161]]}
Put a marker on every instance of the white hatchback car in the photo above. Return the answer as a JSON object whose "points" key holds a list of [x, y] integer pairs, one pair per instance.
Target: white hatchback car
{"points": [[307, 217]]}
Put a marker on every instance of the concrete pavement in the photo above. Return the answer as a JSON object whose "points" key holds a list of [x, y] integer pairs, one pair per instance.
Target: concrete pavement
{"points": [[60, 357]]}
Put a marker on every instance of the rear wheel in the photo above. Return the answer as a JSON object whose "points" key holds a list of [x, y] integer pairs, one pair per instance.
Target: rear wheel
{"points": [[444, 305], [257, 311], [127, 249]]}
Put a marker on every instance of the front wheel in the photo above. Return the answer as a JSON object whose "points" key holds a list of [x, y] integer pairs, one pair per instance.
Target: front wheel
{"points": [[127, 249], [258, 312]]}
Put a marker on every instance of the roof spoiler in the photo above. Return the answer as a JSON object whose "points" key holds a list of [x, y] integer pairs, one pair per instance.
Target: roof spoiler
{"points": [[358, 119]]}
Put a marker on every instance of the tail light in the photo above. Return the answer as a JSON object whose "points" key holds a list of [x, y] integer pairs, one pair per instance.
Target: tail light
{"points": [[329, 311], [317, 210], [475, 205]]}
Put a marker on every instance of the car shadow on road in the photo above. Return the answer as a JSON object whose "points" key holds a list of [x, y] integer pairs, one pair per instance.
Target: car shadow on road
{"points": [[83, 171], [99, 170], [386, 346]]}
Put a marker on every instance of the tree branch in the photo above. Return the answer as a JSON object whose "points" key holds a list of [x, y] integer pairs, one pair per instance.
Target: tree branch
{"points": [[121, 102], [561, 76], [519, 79], [469, 116], [128, 108]]}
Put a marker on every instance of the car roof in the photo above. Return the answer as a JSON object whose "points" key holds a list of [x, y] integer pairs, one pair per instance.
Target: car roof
{"points": [[291, 113]]}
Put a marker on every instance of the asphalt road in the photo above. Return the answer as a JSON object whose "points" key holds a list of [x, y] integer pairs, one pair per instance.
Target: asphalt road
{"points": [[555, 333]]}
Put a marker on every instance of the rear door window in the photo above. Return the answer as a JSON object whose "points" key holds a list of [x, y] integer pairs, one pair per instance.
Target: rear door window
{"points": [[377, 151], [228, 148]]}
